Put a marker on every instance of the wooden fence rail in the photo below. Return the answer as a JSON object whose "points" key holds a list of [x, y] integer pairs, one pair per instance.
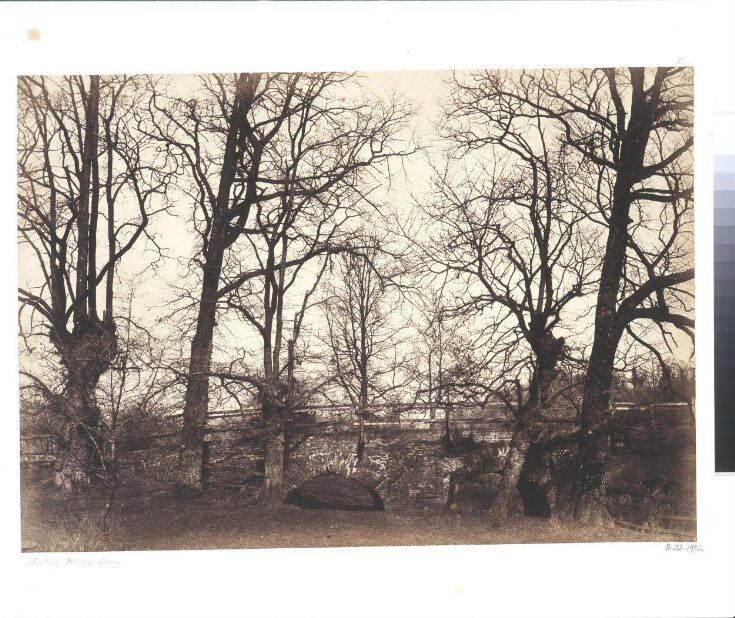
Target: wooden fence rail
{"points": [[43, 447]]}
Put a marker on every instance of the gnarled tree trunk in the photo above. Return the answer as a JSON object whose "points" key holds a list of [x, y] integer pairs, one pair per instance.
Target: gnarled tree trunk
{"points": [[86, 353], [548, 351]]}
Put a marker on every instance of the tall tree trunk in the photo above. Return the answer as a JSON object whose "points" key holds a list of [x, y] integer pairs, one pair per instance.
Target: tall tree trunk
{"points": [[432, 410], [191, 454], [362, 411], [273, 493], [590, 469], [85, 287], [589, 478], [448, 434], [87, 351]]}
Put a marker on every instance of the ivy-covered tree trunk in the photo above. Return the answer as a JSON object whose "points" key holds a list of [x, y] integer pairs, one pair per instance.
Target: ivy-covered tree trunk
{"points": [[87, 353], [548, 351]]}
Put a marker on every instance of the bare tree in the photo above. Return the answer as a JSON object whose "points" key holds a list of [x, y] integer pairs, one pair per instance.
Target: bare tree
{"points": [[510, 240], [83, 163], [631, 130], [444, 368], [363, 341], [262, 155], [429, 346]]}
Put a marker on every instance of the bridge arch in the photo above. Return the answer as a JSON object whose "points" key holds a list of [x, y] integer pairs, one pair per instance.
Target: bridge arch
{"points": [[334, 491], [368, 472]]}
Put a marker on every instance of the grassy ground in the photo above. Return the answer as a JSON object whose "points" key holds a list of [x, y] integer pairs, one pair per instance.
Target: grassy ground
{"points": [[153, 519]]}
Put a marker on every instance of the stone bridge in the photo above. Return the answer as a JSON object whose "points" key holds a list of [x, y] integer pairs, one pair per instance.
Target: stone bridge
{"points": [[405, 463], [409, 463]]}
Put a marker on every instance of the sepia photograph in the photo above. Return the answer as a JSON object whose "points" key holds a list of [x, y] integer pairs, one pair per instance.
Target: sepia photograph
{"points": [[343, 309], [355, 309]]}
